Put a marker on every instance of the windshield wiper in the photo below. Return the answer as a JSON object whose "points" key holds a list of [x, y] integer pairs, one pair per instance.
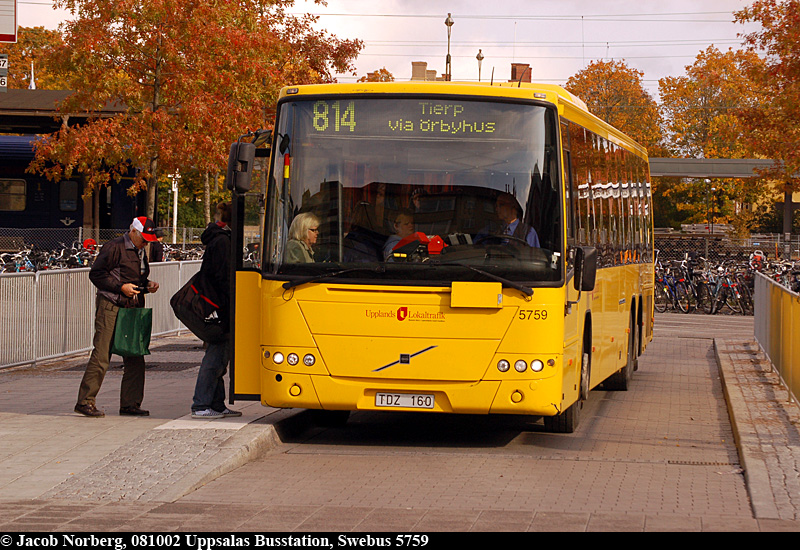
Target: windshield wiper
{"points": [[303, 280], [526, 290]]}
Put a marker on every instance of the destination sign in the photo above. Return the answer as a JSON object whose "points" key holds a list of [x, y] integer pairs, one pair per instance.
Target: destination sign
{"points": [[411, 118]]}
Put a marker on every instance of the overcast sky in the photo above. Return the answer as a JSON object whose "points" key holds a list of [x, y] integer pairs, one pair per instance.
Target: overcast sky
{"points": [[556, 37]]}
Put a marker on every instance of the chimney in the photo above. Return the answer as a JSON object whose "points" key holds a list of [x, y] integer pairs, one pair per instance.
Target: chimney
{"points": [[419, 70], [520, 70]]}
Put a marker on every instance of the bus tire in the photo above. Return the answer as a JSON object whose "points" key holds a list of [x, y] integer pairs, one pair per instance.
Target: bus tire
{"points": [[329, 419], [620, 380], [567, 422]]}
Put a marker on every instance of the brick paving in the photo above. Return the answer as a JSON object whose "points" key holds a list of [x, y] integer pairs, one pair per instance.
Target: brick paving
{"points": [[665, 456]]}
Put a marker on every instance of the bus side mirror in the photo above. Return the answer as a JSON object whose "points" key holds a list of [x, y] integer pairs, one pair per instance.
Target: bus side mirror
{"points": [[240, 166], [585, 268]]}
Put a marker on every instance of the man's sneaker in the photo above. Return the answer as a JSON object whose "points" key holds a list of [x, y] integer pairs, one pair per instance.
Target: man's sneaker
{"points": [[207, 414], [89, 410], [230, 412]]}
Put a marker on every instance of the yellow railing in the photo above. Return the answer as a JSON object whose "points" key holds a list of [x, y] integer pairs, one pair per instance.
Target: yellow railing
{"points": [[777, 324]]}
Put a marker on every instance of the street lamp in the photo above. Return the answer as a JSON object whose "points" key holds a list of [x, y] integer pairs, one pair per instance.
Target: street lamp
{"points": [[449, 22], [479, 57], [708, 206], [175, 177]]}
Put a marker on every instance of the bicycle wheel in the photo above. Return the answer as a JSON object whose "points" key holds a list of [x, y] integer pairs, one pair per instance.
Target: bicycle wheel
{"points": [[719, 299], [734, 302], [704, 299], [746, 298], [662, 298], [682, 297]]}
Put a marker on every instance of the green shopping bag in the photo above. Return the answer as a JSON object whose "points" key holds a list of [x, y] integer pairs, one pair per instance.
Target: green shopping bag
{"points": [[132, 332]]}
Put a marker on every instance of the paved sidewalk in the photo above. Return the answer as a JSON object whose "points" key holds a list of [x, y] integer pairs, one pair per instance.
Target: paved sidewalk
{"points": [[61, 471], [765, 424], [51, 452]]}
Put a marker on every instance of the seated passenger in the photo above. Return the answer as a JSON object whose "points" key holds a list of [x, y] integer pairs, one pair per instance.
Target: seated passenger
{"points": [[509, 211], [403, 227], [303, 235]]}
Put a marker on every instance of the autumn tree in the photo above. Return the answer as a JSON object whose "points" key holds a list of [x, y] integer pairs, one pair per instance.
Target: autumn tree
{"points": [[615, 92], [34, 48], [772, 124], [381, 75], [190, 75], [700, 111]]}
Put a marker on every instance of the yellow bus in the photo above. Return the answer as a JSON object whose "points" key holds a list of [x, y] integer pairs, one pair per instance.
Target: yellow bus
{"points": [[446, 247]]}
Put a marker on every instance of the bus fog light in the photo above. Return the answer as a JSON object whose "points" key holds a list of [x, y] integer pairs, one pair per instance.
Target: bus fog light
{"points": [[277, 357], [309, 360], [520, 365], [292, 359], [503, 365], [537, 365]]}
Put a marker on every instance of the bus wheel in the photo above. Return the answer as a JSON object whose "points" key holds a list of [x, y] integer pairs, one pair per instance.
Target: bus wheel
{"points": [[620, 380], [567, 421], [329, 419]]}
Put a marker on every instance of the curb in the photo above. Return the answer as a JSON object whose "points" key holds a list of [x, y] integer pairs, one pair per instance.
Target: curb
{"points": [[248, 444], [745, 436], [166, 464]]}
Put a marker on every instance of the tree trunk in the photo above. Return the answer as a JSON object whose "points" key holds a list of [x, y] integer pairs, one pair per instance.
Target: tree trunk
{"points": [[152, 183]]}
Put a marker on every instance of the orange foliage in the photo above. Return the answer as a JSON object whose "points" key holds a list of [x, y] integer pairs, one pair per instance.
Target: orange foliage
{"points": [[773, 123], [190, 75], [614, 92]]}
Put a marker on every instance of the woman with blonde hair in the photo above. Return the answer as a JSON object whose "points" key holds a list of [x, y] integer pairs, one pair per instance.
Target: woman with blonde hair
{"points": [[303, 235]]}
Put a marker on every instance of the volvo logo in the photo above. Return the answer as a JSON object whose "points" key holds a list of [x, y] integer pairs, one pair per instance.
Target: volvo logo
{"points": [[405, 359]]}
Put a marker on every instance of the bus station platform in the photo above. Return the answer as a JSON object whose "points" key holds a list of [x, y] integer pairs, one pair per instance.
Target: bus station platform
{"points": [[60, 471]]}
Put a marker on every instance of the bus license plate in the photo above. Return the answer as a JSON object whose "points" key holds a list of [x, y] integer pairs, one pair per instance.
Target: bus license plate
{"points": [[408, 400]]}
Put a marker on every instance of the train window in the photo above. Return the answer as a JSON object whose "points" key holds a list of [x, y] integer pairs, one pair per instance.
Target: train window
{"points": [[68, 196], [12, 195]]}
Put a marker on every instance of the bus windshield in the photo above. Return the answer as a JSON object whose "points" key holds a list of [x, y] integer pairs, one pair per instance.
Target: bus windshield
{"points": [[424, 189]]}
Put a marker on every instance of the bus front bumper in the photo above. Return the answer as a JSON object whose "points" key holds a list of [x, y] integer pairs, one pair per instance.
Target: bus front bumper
{"points": [[540, 397]]}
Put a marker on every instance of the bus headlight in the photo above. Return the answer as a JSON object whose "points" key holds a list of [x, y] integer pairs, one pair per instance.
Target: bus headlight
{"points": [[292, 359], [520, 365], [537, 365], [277, 357], [309, 360], [503, 365]]}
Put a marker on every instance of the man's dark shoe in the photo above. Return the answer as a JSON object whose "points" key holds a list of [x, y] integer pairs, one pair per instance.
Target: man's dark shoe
{"points": [[133, 411], [89, 410]]}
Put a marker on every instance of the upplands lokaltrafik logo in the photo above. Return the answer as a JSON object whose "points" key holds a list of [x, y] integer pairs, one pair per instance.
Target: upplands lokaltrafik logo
{"points": [[403, 313]]}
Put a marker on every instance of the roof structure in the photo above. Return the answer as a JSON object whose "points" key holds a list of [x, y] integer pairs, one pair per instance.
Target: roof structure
{"points": [[37, 111]]}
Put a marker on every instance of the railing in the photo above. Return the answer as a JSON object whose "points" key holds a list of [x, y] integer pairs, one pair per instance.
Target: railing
{"points": [[50, 314], [777, 320]]}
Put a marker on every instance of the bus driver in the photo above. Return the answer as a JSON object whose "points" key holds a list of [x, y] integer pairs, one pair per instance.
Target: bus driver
{"points": [[509, 212]]}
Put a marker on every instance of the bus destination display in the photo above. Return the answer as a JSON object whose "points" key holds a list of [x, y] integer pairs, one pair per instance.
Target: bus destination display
{"points": [[421, 118]]}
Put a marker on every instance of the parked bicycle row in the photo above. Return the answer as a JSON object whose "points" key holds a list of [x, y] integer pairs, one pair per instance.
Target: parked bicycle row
{"points": [[696, 284], [76, 255]]}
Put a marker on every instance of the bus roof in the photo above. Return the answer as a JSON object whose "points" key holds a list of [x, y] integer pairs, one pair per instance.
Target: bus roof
{"points": [[500, 89]]}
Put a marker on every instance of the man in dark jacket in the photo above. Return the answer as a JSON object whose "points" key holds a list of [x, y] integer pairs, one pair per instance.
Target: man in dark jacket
{"points": [[120, 274], [209, 392]]}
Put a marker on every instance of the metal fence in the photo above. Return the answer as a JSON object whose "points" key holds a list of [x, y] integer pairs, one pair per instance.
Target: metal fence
{"points": [[674, 246], [50, 314], [777, 321]]}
